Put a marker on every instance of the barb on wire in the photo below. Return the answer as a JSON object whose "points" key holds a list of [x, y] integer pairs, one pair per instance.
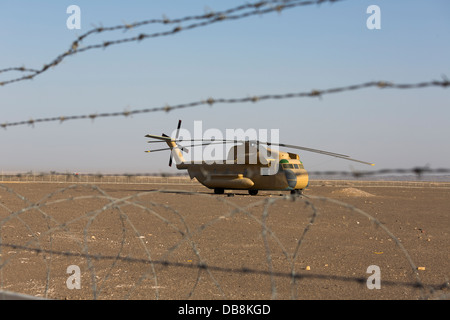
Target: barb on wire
{"points": [[258, 8], [213, 101]]}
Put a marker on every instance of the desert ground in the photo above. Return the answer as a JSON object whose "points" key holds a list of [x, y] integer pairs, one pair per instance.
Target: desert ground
{"points": [[181, 241]]}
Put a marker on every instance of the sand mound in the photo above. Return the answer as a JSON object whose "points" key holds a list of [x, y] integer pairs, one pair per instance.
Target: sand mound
{"points": [[353, 192]]}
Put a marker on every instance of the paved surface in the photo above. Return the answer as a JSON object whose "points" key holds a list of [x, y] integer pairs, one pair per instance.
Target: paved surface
{"points": [[134, 242]]}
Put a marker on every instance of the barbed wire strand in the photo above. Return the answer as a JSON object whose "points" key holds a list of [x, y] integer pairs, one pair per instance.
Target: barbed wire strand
{"points": [[211, 18], [416, 171], [213, 101]]}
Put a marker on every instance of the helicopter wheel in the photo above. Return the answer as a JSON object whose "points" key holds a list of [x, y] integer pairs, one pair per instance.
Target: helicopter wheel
{"points": [[219, 191], [297, 192], [253, 192]]}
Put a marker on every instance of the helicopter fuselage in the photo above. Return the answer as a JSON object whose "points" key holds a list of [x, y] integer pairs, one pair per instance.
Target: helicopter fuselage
{"points": [[290, 175]]}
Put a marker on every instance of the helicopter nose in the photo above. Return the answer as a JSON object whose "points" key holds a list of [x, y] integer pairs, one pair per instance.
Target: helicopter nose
{"points": [[291, 178]]}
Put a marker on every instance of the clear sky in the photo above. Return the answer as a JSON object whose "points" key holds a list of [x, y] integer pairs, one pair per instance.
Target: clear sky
{"points": [[300, 49]]}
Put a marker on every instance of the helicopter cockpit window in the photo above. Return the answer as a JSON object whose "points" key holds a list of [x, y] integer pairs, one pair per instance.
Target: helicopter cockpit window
{"points": [[296, 166], [288, 166]]}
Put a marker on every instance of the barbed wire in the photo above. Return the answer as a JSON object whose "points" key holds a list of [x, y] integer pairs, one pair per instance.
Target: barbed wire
{"points": [[254, 99], [156, 208], [241, 270], [259, 8], [417, 171]]}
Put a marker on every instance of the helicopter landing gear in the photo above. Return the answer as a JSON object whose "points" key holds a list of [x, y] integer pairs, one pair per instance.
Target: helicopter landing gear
{"points": [[219, 191], [253, 192], [297, 192]]}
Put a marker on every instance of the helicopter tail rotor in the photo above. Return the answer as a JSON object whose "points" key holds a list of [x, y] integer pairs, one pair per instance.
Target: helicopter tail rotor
{"points": [[172, 145]]}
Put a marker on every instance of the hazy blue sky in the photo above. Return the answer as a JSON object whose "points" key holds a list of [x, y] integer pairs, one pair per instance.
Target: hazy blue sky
{"points": [[305, 48]]}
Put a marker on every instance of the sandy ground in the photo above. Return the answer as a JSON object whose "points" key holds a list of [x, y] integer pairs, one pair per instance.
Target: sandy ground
{"points": [[133, 241]]}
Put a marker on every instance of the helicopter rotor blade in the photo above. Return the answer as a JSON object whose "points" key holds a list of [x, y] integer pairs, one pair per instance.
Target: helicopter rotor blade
{"points": [[165, 149], [163, 137], [305, 149], [156, 150], [178, 130], [328, 153], [275, 144], [278, 144]]}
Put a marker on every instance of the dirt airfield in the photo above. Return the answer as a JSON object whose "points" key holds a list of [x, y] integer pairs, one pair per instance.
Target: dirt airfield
{"points": [[151, 241]]}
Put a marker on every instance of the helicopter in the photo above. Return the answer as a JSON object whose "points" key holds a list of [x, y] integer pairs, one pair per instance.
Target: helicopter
{"points": [[250, 165]]}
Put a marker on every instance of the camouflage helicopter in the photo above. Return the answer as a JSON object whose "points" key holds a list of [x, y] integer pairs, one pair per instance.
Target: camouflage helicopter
{"points": [[249, 165]]}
